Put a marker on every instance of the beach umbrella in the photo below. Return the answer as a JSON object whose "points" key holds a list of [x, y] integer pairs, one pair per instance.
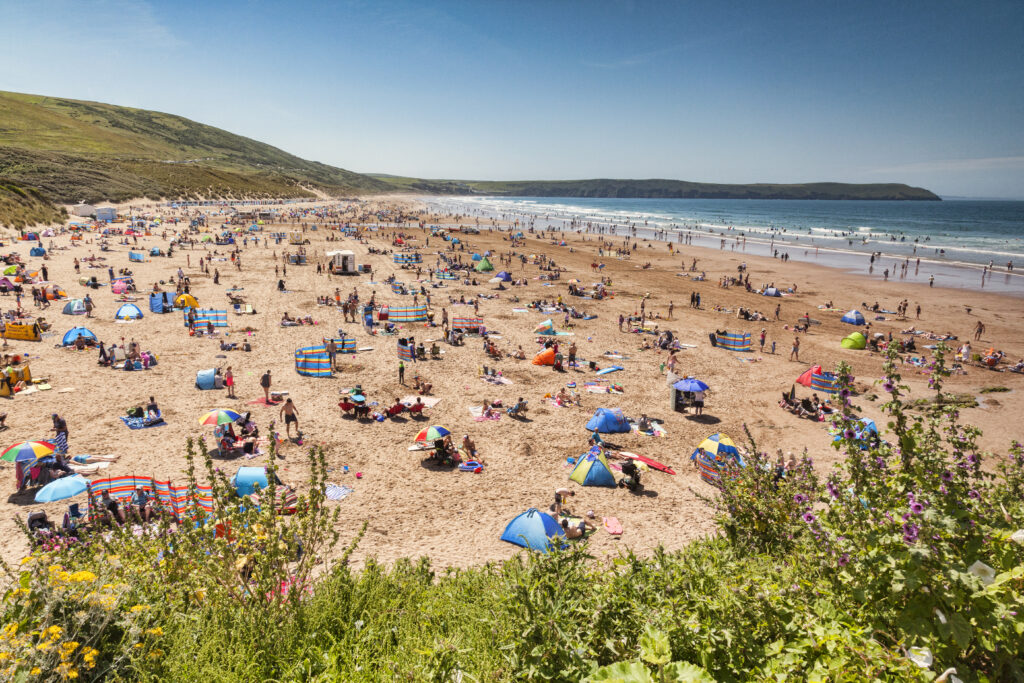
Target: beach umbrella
{"points": [[717, 444], [65, 487], [574, 281], [690, 384], [358, 398], [219, 417], [433, 433], [28, 450]]}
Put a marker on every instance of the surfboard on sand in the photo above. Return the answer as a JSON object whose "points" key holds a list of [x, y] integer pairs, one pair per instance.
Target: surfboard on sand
{"points": [[660, 466], [612, 526]]}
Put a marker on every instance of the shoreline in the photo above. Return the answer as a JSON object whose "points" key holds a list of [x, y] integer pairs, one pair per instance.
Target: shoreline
{"points": [[947, 273]]}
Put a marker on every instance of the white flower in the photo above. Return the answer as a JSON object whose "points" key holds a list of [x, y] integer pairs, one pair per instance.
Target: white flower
{"points": [[940, 616], [983, 572], [1018, 536], [921, 656], [948, 676]]}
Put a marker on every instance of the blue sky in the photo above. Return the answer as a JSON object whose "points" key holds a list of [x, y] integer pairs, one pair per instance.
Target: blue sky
{"points": [[928, 93]]}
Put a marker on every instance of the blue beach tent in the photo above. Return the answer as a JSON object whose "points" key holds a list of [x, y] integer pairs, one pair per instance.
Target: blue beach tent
{"points": [[74, 333], [608, 421], [535, 530], [772, 291], [37, 251], [246, 480], [206, 379], [854, 317], [128, 312]]}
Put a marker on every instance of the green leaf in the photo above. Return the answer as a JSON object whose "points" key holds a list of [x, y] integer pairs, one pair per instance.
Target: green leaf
{"points": [[654, 647], [961, 628], [621, 672], [684, 672]]}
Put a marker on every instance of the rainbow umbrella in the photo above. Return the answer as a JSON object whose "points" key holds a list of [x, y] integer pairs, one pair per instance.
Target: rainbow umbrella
{"points": [[219, 417], [28, 450], [433, 433]]}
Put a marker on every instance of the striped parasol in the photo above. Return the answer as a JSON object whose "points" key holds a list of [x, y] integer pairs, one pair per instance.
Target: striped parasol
{"points": [[27, 450], [219, 417]]}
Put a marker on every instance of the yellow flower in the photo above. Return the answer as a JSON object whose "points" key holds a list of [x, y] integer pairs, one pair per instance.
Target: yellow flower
{"points": [[54, 631], [156, 654], [4, 656], [69, 646], [44, 646], [139, 608], [83, 576], [35, 671], [155, 631], [27, 559]]}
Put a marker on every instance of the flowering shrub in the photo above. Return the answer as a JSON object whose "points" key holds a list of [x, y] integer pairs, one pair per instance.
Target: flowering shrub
{"points": [[69, 624]]}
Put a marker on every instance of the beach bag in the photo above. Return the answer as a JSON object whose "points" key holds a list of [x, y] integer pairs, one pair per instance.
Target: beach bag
{"points": [[135, 412]]}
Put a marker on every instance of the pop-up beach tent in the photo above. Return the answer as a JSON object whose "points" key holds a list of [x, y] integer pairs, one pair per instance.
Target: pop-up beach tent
{"points": [[206, 379], [246, 480], [128, 312], [545, 357], [608, 421], [855, 340], [771, 291], [484, 266], [186, 301], [805, 378], [592, 470], [504, 276], [74, 333], [853, 317], [37, 251], [547, 329], [74, 307], [535, 530]]}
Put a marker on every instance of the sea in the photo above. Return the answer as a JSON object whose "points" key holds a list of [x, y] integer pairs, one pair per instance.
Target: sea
{"points": [[969, 244]]}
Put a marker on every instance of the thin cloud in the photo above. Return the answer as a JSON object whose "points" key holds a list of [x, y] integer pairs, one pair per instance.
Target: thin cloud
{"points": [[72, 21], [956, 165]]}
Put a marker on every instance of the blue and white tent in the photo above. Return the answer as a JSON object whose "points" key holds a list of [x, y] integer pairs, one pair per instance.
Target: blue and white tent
{"points": [[535, 530], [854, 317], [128, 312]]}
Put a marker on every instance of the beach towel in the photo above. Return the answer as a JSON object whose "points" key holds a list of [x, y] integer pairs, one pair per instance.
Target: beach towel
{"points": [[60, 443], [599, 389], [657, 429], [142, 422], [264, 402], [614, 368], [494, 379], [471, 466], [614, 355], [612, 526], [428, 401], [336, 492]]}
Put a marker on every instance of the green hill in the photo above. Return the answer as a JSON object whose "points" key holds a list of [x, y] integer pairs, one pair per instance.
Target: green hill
{"points": [[71, 150], [661, 189]]}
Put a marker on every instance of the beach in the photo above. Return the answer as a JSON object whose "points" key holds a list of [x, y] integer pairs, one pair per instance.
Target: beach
{"points": [[456, 518]]}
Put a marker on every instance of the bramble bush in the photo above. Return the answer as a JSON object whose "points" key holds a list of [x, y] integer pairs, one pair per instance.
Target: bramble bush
{"points": [[902, 564]]}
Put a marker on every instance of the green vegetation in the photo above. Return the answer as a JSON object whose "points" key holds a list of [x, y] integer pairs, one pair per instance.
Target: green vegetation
{"points": [[661, 189], [994, 390], [906, 562], [22, 208], [71, 150]]}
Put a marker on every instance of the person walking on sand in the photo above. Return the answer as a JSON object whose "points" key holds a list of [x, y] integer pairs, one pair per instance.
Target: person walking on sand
{"points": [[778, 309], [265, 383], [979, 329], [229, 382], [795, 353], [290, 415], [671, 308], [401, 372], [764, 333]]}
